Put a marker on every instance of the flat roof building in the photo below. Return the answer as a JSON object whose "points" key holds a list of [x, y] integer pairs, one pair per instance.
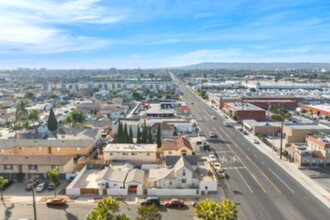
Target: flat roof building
{"points": [[243, 111]]}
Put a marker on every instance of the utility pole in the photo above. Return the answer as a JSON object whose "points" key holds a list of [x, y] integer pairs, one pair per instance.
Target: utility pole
{"points": [[242, 111], [281, 143]]}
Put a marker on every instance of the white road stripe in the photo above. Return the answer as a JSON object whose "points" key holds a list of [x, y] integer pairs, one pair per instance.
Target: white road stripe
{"points": [[244, 180], [281, 180], [262, 162]]}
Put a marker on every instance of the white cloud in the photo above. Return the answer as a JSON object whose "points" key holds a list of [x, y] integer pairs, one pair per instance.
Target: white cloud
{"points": [[214, 55], [37, 26]]}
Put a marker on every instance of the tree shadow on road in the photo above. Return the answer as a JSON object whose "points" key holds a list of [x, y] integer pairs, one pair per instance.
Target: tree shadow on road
{"points": [[69, 215], [8, 211]]}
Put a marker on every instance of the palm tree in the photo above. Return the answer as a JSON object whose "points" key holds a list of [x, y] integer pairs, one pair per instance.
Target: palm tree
{"points": [[206, 209], [3, 182], [33, 115], [228, 210], [148, 212], [21, 110], [76, 117], [53, 176], [106, 209]]}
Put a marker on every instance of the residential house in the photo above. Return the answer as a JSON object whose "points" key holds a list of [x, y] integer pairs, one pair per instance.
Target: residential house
{"points": [[181, 175], [180, 146], [166, 129], [136, 153], [18, 167]]}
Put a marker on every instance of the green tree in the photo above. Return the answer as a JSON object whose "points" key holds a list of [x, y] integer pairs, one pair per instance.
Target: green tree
{"points": [[228, 210], [120, 133], [53, 176], [148, 212], [150, 140], [138, 135], [144, 138], [21, 111], [33, 115], [3, 182], [52, 122], [76, 118], [159, 136], [130, 136], [106, 209], [126, 138], [29, 95], [53, 96]]}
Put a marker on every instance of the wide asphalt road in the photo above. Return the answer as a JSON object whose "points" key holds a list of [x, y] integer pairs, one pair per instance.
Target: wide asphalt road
{"points": [[263, 189]]}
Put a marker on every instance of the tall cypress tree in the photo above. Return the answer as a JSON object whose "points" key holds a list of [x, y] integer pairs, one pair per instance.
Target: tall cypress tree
{"points": [[159, 136], [138, 135], [144, 135], [126, 139], [150, 141], [119, 137], [52, 122], [130, 136]]}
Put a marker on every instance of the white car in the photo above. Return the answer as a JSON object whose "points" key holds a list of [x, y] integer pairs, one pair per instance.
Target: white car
{"points": [[212, 157], [256, 142], [212, 135], [41, 187]]}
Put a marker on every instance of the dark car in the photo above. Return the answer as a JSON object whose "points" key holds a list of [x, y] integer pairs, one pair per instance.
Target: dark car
{"points": [[7, 185], [173, 203], [52, 186], [150, 201]]}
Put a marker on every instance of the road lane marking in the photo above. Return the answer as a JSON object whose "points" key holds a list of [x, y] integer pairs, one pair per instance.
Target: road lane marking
{"points": [[262, 162], [244, 180], [280, 179], [233, 168]]}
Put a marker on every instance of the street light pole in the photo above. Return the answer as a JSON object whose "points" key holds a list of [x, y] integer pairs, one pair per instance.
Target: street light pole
{"points": [[34, 199]]}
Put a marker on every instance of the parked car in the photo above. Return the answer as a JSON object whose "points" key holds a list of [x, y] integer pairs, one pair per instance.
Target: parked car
{"points": [[212, 157], [173, 203], [200, 133], [57, 201], [206, 147], [28, 185], [41, 187], [150, 201], [7, 185], [217, 166], [212, 135], [52, 186], [256, 142], [213, 117], [220, 170]]}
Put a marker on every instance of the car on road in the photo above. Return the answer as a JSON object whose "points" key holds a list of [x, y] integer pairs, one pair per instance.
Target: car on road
{"points": [[212, 135], [173, 203], [256, 141], [212, 157], [57, 201], [200, 133], [150, 201], [226, 124], [213, 117], [41, 187]]}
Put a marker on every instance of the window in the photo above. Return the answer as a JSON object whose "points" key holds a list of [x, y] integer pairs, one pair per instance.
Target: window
{"points": [[183, 172], [170, 182], [58, 148], [33, 167], [111, 154], [20, 148], [184, 181], [124, 153], [78, 148], [8, 166], [40, 148], [148, 154], [170, 152], [133, 154]]}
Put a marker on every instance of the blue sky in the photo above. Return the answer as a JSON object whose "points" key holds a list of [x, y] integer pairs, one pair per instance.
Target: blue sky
{"points": [[161, 33]]}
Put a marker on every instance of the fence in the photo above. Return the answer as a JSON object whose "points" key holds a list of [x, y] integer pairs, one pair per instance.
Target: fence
{"points": [[171, 192], [70, 190], [117, 192]]}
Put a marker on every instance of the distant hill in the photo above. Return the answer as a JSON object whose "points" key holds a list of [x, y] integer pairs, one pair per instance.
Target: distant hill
{"points": [[257, 66]]}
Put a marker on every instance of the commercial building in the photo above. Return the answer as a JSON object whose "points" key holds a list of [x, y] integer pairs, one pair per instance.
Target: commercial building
{"points": [[318, 110], [243, 111]]}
